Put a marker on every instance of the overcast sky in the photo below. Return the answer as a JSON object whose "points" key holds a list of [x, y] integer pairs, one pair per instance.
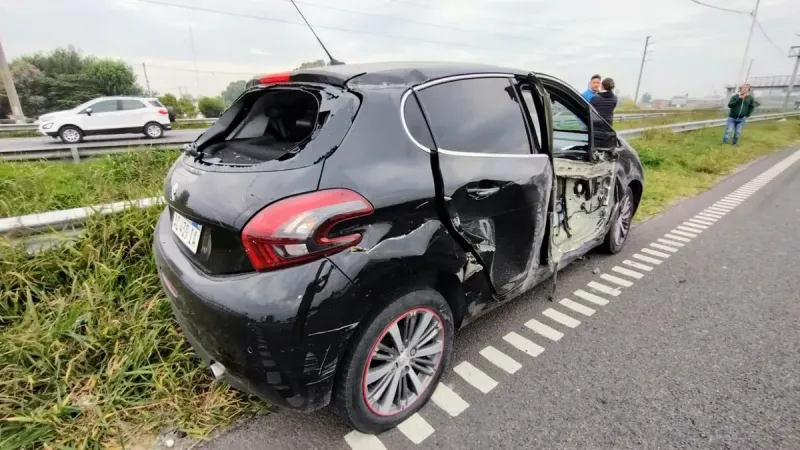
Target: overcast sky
{"points": [[697, 50]]}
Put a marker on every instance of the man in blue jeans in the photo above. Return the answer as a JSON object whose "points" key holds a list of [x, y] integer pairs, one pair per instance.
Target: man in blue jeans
{"points": [[740, 106]]}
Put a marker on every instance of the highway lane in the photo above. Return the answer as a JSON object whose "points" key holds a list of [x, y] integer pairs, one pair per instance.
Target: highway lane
{"points": [[699, 351], [171, 136]]}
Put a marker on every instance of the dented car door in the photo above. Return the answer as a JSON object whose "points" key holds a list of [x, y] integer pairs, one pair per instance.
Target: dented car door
{"points": [[495, 187]]}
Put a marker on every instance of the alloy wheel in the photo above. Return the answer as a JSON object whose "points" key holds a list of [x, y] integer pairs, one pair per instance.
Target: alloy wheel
{"points": [[71, 135], [623, 224], [154, 131], [403, 362]]}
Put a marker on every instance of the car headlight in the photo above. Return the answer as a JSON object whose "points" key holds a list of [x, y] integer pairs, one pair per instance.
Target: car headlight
{"points": [[47, 126]]}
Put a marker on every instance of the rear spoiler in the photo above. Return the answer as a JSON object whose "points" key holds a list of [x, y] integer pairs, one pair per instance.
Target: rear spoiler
{"points": [[321, 76]]}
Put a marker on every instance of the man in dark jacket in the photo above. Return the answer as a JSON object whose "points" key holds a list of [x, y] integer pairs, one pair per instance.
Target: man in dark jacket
{"points": [[605, 101], [740, 106]]}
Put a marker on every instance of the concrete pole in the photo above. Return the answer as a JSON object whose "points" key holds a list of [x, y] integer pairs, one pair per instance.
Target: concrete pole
{"points": [[747, 45], [146, 79], [11, 91], [792, 80], [750, 66], [641, 69]]}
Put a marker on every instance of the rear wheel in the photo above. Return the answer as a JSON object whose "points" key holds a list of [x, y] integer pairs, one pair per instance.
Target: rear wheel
{"points": [[153, 130], [70, 134], [621, 222], [395, 362]]}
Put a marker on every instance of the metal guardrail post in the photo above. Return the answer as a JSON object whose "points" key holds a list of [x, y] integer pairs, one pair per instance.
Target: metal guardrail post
{"points": [[76, 156]]}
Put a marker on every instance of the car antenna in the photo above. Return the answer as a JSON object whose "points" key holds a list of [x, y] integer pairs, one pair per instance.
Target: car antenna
{"points": [[334, 61]]}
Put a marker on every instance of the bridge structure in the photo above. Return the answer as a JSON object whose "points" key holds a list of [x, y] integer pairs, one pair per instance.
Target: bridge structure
{"points": [[770, 92]]}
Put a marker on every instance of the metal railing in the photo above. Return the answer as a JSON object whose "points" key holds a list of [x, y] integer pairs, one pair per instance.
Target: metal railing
{"points": [[70, 219], [35, 126]]}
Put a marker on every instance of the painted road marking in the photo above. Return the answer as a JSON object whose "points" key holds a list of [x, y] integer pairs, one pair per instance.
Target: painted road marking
{"points": [[666, 248], [738, 197], [707, 217], [661, 255], [717, 210], [712, 214], [616, 280], [577, 307], [523, 344], [589, 297], [561, 318], [646, 259], [475, 377], [360, 441], [683, 233], [603, 288], [628, 272], [677, 238], [689, 229], [689, 223], [701, 222], [731, 203], [544, 330], [668, 242], [500, 359], [450, 402], [415, 428], [722, 207]]}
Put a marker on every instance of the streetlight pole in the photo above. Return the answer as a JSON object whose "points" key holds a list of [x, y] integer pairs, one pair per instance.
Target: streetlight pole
{"points": [[794, 52], [11, 91], [747, 45]]}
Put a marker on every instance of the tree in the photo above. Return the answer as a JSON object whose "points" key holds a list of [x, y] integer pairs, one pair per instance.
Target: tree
{"points": [[233, 91], [186, 107], [27, 80], [647, 98], [211, 107], [112, 77], [310, 64]]}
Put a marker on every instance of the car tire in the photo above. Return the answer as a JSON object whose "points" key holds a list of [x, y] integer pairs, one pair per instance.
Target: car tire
{"points": [[154, 130], [70, 134], [620, 222], [359, 400]]}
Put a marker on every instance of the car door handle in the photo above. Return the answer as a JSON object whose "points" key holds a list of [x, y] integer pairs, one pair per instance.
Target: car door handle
{"points": [[481, 193]]}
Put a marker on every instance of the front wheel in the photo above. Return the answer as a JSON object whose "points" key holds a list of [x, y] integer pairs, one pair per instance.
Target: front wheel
{"points": [[620, 222], [70, 134], [153, 130], [395, 362]]}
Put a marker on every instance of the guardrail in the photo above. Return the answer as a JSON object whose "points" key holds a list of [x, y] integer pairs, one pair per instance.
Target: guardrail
{"points": [[35, 126], [70, 219]]}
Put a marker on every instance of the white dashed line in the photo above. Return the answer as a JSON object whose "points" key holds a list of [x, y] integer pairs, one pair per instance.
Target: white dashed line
{"points": [[450, 402], [561, 318], [524, 345], [701, 222], [589, 297], [616, 280], [500, 359], [707, 217], [603, 288], [677, 238], [690, 223], [666, 248], [672, 243], [360, 441], [646, 259], [689, 229], [577, 307], [722, 207], [628, 272], [712, 214], [729, 203], [544, 330], [738, 197], [661, 255], [683, 233], [415, 428], [475, 377], [717, 210]]}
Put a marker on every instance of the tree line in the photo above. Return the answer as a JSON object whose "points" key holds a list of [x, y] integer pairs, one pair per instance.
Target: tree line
{"points": [[64, 78]]}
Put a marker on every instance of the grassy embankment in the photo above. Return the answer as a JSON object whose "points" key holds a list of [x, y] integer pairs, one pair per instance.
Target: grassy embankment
{"points": [[89, 354]]}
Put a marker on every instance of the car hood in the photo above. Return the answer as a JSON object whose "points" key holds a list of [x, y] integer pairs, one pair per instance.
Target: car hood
{"points": [[54, 115]]}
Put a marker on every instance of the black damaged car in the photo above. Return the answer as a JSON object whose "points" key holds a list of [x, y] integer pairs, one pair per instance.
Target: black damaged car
{"points": [[326, 237]]}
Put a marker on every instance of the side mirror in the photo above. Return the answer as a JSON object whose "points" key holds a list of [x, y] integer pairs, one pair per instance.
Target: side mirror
{"points": [[88, 111]]}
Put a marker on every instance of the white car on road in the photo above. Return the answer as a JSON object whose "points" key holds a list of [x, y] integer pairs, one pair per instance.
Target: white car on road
{"points": [[107, 115]]}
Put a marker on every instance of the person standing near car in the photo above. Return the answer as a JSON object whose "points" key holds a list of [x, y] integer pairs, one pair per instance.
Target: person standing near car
{"points": [[605, 102], [594, 87], [740, 106]]}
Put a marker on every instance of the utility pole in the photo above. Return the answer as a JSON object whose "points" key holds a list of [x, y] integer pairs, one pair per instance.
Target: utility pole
{"points": [[147, 80], [194, 55], [750, 66], [794, 52], [747, 45], [641, 69], [11, 91]]}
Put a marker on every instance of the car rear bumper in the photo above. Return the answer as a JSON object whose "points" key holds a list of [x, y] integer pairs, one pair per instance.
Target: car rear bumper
{"points": [[270, 331]]}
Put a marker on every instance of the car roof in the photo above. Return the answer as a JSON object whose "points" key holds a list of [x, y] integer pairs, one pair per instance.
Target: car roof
{"points": [[124, 97], [407, 72]]}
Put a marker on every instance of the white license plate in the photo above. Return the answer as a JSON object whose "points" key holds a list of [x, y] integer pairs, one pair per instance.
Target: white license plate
{"points": [[187, 231]]}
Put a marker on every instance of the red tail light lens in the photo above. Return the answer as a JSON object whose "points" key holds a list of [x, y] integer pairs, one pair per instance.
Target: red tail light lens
{"points": [[275, 78], [295, 229], [163, 112]]}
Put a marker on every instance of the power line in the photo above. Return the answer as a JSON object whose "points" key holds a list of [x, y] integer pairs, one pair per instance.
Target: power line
{"points": [[737, 11], [769, 39], [215, 72]]}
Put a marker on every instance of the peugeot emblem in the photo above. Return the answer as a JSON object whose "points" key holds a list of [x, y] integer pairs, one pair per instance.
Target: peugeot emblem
{"points": [[174, 192]]}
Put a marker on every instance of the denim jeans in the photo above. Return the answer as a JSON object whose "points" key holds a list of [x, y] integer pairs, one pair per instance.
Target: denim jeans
{"points": [[734, 125]]}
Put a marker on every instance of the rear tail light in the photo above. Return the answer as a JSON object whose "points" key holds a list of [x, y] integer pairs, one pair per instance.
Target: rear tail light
{"points": [[163, 112], [295, 229], [275, 78]]}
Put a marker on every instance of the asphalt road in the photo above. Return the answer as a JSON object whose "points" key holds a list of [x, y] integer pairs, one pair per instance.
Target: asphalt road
{"points": [[172, 136], [700, 352]]}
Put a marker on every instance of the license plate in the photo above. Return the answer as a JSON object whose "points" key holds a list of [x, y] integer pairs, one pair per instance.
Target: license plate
{"points": [[187, 231]]}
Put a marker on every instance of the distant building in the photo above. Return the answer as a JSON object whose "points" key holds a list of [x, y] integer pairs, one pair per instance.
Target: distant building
{"points": [[659, 103]]}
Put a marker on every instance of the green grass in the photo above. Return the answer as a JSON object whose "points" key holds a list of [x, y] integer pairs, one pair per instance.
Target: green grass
{"points": [[90, 356], [681, 165], [31, 187], [19, 134], [688, 116], [189, 125]]}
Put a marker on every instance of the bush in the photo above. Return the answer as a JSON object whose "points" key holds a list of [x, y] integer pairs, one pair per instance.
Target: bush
{"points": [[211, 107]]}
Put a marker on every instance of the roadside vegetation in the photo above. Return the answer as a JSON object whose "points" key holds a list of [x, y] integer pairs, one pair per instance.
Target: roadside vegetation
{"points": [[90, 356], [676, 117], [31, 187]]}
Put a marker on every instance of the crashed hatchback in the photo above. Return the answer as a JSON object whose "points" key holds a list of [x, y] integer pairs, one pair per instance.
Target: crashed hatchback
{"points": [[326, 237]]}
